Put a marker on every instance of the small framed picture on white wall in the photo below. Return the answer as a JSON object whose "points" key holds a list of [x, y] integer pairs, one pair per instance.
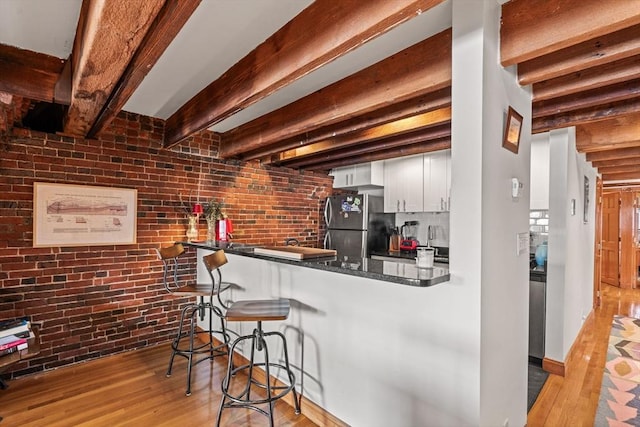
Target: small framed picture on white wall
{"points": [[585, 218]]}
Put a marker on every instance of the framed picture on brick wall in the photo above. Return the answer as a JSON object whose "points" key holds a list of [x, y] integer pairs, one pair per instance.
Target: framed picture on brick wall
{"points": [[77, 215]]}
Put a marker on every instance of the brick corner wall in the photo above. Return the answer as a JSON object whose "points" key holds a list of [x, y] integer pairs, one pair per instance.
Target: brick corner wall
{"points": [[92, 301]]}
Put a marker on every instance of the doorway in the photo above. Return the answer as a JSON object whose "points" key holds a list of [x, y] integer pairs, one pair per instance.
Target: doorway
{"points": [[620, 237]]}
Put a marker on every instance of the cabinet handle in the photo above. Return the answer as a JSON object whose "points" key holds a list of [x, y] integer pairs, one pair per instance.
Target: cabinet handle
{"points": [[404, 206], [449, 203], [398, 207], [441, 203]]}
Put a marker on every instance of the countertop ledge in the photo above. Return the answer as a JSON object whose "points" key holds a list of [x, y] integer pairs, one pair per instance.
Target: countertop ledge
{"points": [[387, 271]]}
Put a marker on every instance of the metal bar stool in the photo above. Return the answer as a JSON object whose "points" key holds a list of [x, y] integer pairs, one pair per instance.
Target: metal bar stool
{"points": [[190, 312], [256, 311]]}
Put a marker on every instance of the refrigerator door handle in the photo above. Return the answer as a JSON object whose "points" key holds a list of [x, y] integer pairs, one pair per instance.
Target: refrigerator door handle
{"points": [[327, 211], [327, 240]]}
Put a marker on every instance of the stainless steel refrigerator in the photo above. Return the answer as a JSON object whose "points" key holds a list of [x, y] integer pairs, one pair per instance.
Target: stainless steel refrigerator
{"points": [[357, 225]]}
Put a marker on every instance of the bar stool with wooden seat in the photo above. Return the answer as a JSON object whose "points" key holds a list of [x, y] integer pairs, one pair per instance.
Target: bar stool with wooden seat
{"points": [[256, 311], [195, 345]]}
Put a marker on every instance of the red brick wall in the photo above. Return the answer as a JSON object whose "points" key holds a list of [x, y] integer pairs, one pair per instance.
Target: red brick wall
{"points": [[96, 300]]}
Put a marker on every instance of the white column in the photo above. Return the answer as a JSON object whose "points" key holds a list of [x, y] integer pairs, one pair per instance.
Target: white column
{"points": [[485, 219]]}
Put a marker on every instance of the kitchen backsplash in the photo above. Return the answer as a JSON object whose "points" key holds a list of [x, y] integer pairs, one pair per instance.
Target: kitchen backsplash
{"points": [[538, 228], [438, 220]]}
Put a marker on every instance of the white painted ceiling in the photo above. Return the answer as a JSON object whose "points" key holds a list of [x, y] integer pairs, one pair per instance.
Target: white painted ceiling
{"points": [[45, 26], [218, 34]]}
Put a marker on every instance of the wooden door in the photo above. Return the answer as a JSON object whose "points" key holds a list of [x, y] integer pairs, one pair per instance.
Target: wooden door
{"points": [[628, 271], [610, 238]]}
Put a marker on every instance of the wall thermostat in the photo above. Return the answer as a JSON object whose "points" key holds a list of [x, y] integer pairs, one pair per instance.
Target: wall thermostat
{"points": [[516, 187]]}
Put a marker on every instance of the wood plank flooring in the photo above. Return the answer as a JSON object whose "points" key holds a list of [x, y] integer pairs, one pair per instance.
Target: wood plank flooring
{"points": [[573, 400], [129, 389]]}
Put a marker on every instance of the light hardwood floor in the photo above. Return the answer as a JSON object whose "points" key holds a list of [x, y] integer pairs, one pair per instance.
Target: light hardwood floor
{"points": [[129, 389], [573, 400]]}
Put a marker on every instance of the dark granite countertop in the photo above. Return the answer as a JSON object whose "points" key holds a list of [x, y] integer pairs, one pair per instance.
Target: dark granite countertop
{"points": [[389, 271], [537, 273]]}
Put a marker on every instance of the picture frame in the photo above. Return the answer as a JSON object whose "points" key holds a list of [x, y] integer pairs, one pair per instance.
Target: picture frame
{"points": [[512, 131], [585, 218], [77, 215]]}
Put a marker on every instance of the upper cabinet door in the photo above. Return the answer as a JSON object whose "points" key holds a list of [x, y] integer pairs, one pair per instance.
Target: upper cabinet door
{"points": [[392, 187], [437, 181], [369, 174], [413, 184], [403, 184], [343, 177], [360, 175]]}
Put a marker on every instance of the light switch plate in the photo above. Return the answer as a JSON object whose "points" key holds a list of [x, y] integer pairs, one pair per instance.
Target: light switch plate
{"points": [[523, 243]]}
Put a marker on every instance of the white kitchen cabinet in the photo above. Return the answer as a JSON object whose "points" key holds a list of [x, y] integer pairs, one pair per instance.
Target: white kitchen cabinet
{"points": [[437, 181], [403, 184], [360, 175], [539, 188]]}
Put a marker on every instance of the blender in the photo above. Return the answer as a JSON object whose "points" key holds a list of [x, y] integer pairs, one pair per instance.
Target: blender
{"points": [[409, 231]]}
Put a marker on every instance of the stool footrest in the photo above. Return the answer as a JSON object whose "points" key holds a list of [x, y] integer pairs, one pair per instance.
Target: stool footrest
{"points": [[239, 396], [284, 389]]}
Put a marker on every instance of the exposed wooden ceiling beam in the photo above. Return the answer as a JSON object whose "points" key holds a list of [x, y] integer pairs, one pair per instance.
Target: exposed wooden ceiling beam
{"points": [[592, 53], [618, 176], [607, 147], [418, 105], [170, 19], [620, 153], [616, 162], [605, 75], [324, 31], [609, 134], [29, 74], [365, 147], [621, 169], [374, 155], [627, 90], [109, 33], [422, 68], [534, 28], [586, 115], [370, 135]]}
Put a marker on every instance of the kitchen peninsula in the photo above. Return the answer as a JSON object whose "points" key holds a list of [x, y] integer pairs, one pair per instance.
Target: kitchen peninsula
{"points": [[344, 333]]}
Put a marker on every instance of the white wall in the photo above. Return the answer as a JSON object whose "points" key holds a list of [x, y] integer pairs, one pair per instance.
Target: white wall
{"points": [[485, 220], [374, 353], [539, 171], [571, 245]]}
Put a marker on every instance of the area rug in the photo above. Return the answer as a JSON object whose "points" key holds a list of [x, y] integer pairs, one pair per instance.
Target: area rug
{"points": [[619, 403]]}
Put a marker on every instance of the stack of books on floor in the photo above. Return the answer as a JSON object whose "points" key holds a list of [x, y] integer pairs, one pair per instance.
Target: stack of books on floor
{"points": [[14, 335]]}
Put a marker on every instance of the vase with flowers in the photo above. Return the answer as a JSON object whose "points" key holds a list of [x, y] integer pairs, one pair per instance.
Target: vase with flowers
{"points": [[212, 213], [192, 229], [193, 212]]}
